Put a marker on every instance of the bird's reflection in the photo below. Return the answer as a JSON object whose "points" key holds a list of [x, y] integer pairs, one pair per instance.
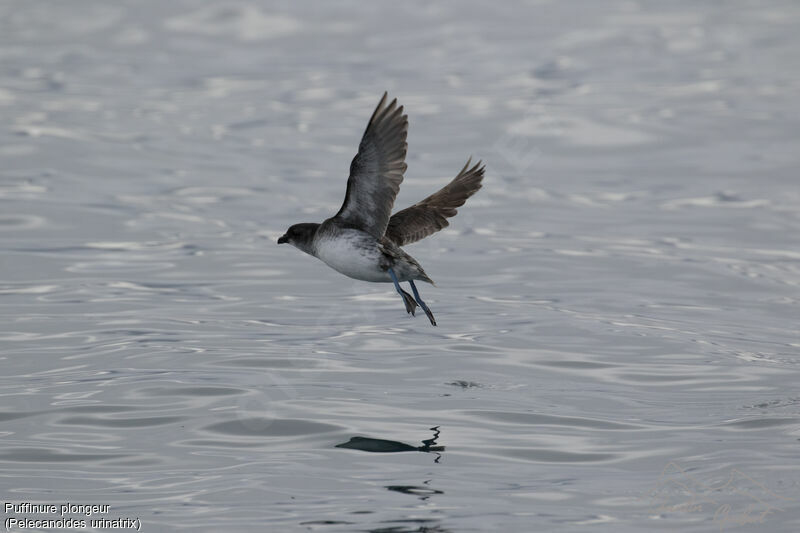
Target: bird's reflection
{"points": [[423, 493], [425, 528], [368, 444]]}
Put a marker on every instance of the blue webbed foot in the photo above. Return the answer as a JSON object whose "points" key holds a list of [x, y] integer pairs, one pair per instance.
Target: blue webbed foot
{"points": [[421, 303], [411, 305]]}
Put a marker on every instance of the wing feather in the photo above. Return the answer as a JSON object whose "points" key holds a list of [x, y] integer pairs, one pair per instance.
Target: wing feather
{"points": [[430, 215], [376, 171]]}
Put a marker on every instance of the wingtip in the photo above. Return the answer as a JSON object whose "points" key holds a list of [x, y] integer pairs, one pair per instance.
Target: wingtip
{"points": [[384, 111], [466, 166], [403, 118], [477, 168]]}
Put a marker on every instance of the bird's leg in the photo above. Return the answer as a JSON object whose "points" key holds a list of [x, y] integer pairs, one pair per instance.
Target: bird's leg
{"points": [[411, 305], [409, 301], [421, 303]]}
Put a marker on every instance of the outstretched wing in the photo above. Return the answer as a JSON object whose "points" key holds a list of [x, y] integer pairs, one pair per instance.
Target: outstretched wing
{"points": [[377, 170], [430, 215]]}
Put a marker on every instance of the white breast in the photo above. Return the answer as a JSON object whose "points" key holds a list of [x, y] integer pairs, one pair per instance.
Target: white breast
{"points": [[352, 255]]}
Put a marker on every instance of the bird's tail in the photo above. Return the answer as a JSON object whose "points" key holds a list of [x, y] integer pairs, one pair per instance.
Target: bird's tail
{"points": [[422, 276]]}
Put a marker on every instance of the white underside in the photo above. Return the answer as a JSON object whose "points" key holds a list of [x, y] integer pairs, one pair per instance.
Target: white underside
{"points": [[353, 261]]}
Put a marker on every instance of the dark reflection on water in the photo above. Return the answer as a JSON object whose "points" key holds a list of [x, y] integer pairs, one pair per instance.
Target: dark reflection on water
{"points": [[368, 444], [426, 528], [415, 490], [325, 523]]}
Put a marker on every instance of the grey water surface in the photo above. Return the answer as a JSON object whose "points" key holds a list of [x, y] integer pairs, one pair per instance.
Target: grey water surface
{"points": [[618, 307]]}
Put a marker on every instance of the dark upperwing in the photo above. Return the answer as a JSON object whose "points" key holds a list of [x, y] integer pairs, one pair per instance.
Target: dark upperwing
{"points": [[376, 171], [430, 215]]}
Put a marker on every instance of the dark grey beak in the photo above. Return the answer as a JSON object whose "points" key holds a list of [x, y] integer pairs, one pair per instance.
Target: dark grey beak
{"points": [[283, 239]]}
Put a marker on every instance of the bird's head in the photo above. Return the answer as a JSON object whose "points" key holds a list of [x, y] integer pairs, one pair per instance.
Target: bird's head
{"points": [[300, 236]]}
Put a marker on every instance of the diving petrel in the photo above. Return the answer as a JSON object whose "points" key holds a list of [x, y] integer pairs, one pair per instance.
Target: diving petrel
{"points": [[362, 241]]}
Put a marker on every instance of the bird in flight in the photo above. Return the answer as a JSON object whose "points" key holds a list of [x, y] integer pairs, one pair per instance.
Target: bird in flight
{"points": [[363, 239]]}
